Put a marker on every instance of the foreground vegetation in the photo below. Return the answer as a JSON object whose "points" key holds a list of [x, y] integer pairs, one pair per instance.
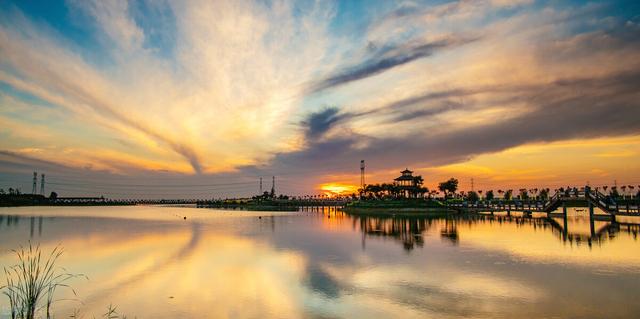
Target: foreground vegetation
{"points": [[31, 284]]}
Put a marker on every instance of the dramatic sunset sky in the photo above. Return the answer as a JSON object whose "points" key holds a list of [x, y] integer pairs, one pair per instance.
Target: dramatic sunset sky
{"points": [[197, 99]]}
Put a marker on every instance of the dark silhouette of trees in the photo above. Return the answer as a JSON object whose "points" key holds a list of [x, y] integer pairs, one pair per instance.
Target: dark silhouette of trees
{"points": [[524, 193], [614, 192], [448, 187], [472, 196], [544, 194], [508, 195], [489, 195], [386, 190]]}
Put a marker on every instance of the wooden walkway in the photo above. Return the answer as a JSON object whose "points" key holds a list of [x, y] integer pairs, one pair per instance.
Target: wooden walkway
{"points": [[590, 199]]}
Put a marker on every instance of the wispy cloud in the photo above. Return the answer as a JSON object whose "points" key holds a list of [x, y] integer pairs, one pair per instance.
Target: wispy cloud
{"points": [[389, 57], [250, 88]]}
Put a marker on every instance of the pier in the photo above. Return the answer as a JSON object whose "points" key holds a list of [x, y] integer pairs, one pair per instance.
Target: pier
{"points": [[590, 199]]}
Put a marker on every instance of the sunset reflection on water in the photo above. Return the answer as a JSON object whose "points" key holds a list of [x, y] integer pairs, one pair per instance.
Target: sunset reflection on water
{"points": [[152, 263]]}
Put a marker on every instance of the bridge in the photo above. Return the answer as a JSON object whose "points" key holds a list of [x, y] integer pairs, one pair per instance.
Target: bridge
{"points": [[277, 203], [583, 198]]}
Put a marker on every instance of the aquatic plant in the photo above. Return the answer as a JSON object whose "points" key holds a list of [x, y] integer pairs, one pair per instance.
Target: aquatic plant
{"points": [[32, 282], [111, 313]]}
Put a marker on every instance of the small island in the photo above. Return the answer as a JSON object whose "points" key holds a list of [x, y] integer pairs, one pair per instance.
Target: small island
{"points": [[405, 195]]}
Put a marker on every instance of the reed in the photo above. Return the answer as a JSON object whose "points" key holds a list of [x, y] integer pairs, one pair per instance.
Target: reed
{"points": [[32, 283]]}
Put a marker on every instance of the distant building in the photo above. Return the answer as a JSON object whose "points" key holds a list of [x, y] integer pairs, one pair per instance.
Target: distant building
{"points": [[408, 184]]}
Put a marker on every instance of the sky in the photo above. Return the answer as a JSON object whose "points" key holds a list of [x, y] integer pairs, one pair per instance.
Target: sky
{"points": [[201, 99]]}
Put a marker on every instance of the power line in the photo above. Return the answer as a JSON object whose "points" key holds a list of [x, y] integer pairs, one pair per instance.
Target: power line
{"points": [[142, 192], [106, 185]]}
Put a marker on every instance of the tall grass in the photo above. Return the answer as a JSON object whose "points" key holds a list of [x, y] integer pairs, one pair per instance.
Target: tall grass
{"points": [[32, 282]]}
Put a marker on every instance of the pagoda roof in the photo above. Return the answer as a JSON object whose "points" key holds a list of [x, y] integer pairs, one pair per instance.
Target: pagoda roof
{"points": [[404, 178], [406, 171]]}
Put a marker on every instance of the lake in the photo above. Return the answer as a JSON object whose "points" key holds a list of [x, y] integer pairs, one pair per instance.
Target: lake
{"points": [[151, 262]]}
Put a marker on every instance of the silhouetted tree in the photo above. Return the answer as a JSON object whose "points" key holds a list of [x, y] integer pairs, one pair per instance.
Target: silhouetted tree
{"points": [[422, 190], [472, 196], [614, 192], [508, 195], [544, 194], [449, 187], [489, 195], [53, 196], [524, 194]]}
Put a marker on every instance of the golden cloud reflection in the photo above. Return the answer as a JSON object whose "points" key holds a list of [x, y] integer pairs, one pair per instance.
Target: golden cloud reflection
{"points": [[175, 270], [221, 264]]}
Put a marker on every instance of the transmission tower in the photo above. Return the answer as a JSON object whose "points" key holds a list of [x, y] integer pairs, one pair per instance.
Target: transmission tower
{"points": [[260, 186], [35, 182], [42, 185], [273, 186], [472, 184]]}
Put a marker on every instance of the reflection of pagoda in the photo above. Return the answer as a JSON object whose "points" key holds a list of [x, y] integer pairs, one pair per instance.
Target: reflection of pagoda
{"points": [[407, 183]]}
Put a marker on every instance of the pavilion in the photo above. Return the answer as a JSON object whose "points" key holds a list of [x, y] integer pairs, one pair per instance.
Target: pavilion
{"points": [[407, 183]]}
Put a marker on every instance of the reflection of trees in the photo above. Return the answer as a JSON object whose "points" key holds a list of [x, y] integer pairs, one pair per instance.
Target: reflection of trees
{"points": [[411, 230], [10, 221], [449, 231]]}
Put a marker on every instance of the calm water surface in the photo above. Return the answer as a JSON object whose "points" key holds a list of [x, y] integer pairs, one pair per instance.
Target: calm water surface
{"points": [[151, 263]]}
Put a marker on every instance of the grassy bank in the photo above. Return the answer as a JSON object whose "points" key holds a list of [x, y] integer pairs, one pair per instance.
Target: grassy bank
{"points": [[408, 207]]}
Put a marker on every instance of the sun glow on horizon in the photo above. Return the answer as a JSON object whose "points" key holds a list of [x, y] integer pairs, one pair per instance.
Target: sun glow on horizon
{"points": [[337, 189]]}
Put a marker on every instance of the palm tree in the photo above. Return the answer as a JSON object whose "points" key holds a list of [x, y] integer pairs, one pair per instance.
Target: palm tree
{"points": [[489, 195], [508, 195], [523, 193]]}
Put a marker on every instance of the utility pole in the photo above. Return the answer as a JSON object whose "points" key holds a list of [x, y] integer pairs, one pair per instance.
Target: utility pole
{"points": [[35, 182], [42, 185], [260, 186], [472, 184]]}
